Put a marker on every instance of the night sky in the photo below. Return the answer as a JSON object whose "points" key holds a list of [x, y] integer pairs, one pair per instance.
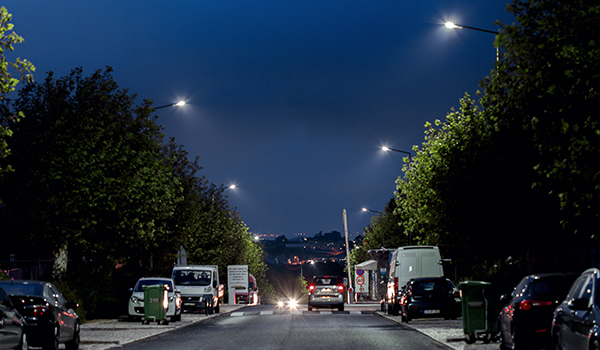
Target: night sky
{"points": [[289, 100]]}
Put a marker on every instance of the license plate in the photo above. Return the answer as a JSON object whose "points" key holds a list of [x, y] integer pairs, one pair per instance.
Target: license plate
{"points": [[431, 312], [189, 304]]}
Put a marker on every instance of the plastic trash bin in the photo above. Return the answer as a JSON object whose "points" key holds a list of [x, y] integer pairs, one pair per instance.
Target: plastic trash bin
{"points": [[156, 303], [474, 311]]}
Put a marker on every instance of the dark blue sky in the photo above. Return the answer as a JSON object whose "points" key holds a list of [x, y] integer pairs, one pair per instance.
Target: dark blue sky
{"points": [[289, 100]]}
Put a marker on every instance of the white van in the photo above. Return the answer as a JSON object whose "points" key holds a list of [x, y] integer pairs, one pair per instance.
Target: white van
{"points": [[410, 262]]}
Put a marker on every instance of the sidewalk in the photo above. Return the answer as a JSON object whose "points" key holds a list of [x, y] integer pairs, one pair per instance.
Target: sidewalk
{"points": [[447, 332]]}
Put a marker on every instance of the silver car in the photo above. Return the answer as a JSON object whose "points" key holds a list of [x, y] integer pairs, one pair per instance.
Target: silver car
{"points": [[326, 292], [136, 301]]}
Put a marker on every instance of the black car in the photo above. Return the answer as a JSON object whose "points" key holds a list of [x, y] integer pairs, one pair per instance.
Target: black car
{"points": [[49, 317], [525, 320], [430, 297], [576, 320], [12, 325]]}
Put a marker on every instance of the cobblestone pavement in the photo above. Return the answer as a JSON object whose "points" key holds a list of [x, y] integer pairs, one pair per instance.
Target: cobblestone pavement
{"points": [[106, 334]]}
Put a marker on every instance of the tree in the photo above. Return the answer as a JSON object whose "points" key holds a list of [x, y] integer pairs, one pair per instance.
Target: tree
{"points": [[548, 83], [7, 82], [89, 178]]}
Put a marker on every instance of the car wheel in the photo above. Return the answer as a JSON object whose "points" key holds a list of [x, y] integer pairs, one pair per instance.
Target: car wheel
{"points": [[73, 344], [52, 342], [218, 308], [395, 309], [341, 307], [309, 308], [23, 343]]}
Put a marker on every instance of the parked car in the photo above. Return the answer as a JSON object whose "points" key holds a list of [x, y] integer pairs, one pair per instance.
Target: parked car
{"points": [[525, 320], [12, 325], [49, 317], [430, 297], [136, 301], [327, 292], [576, 320]]}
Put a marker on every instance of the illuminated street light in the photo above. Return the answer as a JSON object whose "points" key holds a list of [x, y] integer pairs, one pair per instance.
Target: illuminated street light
{"points": [[230, 187], [387, 149], [178, 104], [452, 25]]}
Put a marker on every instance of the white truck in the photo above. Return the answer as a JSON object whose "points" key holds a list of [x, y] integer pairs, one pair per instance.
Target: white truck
{"points": [[410, 262], [199, 287]]}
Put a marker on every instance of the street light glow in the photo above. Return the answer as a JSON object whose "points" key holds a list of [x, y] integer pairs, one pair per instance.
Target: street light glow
{"points": [[385, 148], [451, 25], [180, 103]]}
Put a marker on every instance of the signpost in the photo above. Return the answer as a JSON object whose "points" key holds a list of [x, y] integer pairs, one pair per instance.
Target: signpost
{"points": [[237, 280]]}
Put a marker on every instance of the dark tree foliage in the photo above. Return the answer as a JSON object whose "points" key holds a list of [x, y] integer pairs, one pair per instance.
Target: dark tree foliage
{"points": [[93, 178], [505, 184]]}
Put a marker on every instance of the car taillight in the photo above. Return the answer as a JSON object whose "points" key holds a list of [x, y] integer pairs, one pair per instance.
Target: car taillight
{"points": [[311, 288], [341, 288], [526, 305], [39, 310], [396, 284]]}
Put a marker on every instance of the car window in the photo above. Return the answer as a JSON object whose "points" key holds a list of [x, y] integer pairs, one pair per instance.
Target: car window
{"points": [[192, 277], [549, 288], [60, 299], [578, 287], [22, 289], [150, 282]]}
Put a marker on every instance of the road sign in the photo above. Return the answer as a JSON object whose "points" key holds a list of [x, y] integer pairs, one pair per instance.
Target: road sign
{"points": [[361, 282]]}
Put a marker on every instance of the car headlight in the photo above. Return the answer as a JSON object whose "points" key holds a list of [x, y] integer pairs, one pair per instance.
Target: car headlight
{"points": [[280, 303], [293, 303], [135, 300]]}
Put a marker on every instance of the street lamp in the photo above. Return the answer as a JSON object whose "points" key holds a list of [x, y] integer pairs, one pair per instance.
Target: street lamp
{"points": [[452, 25], [387, 149], [178, 104], [230, 187], [382, 229]]}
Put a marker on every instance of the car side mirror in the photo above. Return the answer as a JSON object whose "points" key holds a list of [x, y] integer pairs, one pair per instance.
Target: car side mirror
{"points": [[579, 304]]}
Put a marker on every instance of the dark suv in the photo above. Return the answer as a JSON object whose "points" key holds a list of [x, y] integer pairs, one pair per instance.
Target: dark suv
{"points": [[327, 292]]}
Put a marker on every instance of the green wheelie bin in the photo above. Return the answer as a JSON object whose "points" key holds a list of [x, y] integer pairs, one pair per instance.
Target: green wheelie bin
{"points": [[156, 303], [474, 311]]}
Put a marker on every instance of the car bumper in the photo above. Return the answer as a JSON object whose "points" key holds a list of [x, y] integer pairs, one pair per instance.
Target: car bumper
{"points": [[196, 302], [325, 301]]}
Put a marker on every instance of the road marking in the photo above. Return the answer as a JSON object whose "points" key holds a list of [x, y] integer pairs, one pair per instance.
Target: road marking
{"points": [[237, 314], [264, 313]]}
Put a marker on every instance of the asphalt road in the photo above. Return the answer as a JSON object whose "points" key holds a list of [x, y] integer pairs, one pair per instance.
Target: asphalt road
{"points": [[267, 327]]}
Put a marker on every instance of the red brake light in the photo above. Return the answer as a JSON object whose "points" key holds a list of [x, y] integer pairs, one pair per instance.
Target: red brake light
{"points": [[341, 288], [528, 304], [311, 288], [396, 283]]}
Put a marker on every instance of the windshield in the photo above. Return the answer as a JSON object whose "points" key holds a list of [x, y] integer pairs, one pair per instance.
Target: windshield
{"points": [[192, 277], [550, 288], [151, 282], [22, 289]]}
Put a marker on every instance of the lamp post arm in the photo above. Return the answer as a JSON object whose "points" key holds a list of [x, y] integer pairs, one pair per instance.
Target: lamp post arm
{"points": [[478, 29]]}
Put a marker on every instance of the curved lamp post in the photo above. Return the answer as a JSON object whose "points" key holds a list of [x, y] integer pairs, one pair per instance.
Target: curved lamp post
{"points": [[387, 149], [452, 25], [383, 230], [178, 104]]}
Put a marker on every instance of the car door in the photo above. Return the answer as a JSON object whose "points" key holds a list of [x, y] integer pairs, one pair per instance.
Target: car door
{"points": [[10, 330], [66, 316], [574, 331]]}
